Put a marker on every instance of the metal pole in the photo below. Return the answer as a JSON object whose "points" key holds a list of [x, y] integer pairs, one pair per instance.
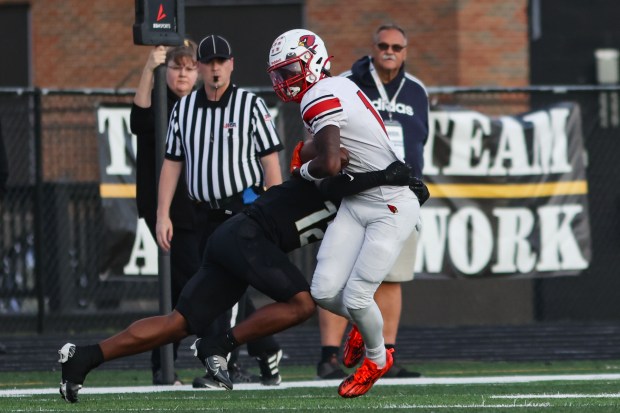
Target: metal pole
{"points": [[38, 210], [160, 106]]}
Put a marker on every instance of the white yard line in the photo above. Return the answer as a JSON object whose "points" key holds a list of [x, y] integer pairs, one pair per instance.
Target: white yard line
{"points": [[469, 406], [558, 396], [335, 383]]}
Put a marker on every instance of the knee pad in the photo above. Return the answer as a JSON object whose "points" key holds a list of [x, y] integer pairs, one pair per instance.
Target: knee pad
{"points": [[328, 303], [359, 294]]}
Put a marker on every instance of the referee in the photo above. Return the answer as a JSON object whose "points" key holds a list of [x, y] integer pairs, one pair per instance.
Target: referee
{"points": [[225, 137]]}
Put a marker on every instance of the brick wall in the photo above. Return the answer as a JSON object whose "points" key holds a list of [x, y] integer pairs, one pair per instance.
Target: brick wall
{"points": [[452, 42], [81, 43], [492, 43], [430, 26]]}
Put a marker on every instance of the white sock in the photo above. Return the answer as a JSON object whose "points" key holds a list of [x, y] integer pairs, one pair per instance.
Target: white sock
{"points": [[377, 355], [370, 323]]}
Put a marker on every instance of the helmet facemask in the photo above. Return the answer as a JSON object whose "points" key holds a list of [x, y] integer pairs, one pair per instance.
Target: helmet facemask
{"points": [[292, 78]]}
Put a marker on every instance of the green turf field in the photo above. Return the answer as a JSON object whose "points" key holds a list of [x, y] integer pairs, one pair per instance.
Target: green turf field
{"points": [[591, 395]]}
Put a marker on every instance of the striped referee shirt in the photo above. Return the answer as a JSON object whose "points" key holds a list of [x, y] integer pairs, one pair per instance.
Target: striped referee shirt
{"points": [[221, 142]]}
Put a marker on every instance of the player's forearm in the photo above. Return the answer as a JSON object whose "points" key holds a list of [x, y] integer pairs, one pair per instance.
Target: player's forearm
{"points": [[327, 161], [337, 187]]}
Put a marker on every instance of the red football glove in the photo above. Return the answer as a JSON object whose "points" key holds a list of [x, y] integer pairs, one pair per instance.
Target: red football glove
{"points": [[296, 158]]}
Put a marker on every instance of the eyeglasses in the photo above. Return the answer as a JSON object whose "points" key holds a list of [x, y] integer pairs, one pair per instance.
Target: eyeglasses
{"points": [[396, 47]]}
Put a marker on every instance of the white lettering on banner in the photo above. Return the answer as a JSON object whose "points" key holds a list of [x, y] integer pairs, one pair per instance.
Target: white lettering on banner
{"points": [[439, 119], [511, 147], [144, 252], [468, 234], [514, 252], [470, 240], [560, 249], [550, 155], [432, 241], [467, 131], [117, 122]]}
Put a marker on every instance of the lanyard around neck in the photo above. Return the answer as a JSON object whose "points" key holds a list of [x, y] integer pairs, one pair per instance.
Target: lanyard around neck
{"points": [[390, 105]]}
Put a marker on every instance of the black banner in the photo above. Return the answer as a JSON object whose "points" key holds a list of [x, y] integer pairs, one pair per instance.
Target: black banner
{"points": [[129, 248], [508, 195]]}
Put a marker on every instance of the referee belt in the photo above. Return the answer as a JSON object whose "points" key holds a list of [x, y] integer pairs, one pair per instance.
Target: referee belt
{"points": [[231, 203]]}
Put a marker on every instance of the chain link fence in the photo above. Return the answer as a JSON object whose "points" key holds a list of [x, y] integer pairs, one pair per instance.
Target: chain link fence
{"points": [[52, 276]]}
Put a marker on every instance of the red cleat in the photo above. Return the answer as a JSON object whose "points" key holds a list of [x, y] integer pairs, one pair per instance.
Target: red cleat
{"points": [[364, 377], [353, 348]]}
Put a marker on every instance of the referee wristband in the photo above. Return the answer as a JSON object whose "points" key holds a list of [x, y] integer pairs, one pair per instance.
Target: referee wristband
{"points": [[304, 173]]}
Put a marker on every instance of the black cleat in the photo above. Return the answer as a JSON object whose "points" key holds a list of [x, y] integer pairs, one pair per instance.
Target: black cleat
{"points": [[72, 374], [205, 382], [217, 369], [216, 365], [269, 371], [69, 391]]}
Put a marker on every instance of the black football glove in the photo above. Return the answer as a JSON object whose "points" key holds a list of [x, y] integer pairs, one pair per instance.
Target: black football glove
{"points": [[420, 189], [397, 174]]}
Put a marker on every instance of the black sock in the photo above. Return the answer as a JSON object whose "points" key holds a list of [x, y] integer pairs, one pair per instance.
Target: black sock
{"points": [[96, 355], [83, 361], [89, 356], [230, 342], [220, 345], [328, 353]]}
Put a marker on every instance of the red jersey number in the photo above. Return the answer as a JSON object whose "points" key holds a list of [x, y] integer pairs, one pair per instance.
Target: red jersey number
{"points": [[372, 110]]}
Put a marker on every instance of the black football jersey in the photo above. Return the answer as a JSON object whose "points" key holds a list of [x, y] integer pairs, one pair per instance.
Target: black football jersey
{"points": [[297, 212], [293, 214]]}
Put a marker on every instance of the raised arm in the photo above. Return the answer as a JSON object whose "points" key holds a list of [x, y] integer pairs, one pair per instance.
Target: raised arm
{"points": [[157, 57]]}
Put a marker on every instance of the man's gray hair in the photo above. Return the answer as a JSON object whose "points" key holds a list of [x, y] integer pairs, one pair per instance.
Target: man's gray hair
{"points": [[389, 26]]}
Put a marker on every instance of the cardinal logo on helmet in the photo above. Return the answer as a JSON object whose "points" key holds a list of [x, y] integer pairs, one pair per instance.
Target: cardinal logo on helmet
{"points": [[307, 40]]}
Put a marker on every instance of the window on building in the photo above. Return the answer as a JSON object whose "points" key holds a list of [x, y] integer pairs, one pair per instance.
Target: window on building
{"points": [[14, 45], [250, 27]]}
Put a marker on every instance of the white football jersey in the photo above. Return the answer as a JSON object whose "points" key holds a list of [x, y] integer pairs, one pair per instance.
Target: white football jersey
{"points": [[338, 101]]}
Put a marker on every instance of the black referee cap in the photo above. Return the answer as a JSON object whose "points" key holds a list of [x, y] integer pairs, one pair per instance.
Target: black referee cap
{"points": [[213, 46]]}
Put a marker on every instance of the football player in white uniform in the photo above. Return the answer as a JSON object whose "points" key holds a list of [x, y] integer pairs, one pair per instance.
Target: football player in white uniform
{"points": [[370, 228]]}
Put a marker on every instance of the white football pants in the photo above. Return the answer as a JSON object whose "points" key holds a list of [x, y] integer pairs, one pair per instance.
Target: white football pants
{"points": [[359, 249]]}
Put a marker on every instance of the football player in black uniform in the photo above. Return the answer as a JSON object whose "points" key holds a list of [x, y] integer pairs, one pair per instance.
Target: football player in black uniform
{"points": [[248, 249]]}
